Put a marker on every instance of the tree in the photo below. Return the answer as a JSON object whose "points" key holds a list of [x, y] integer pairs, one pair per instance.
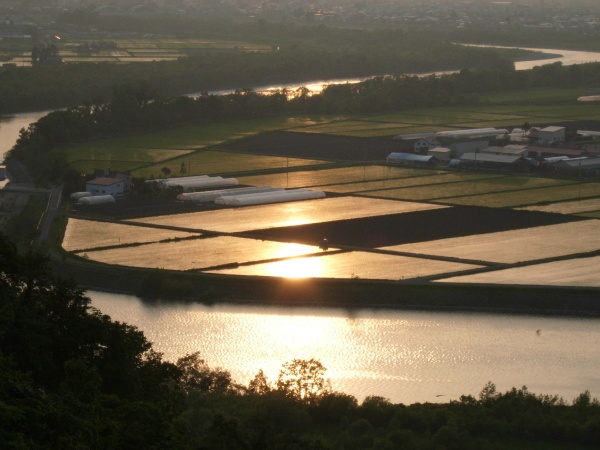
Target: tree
{"points": [[259, 384], [196, 375], [303, 380], [166, 171]]}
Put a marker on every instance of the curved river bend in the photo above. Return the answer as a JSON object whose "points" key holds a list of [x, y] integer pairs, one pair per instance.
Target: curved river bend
{"points": [[402, 355]]}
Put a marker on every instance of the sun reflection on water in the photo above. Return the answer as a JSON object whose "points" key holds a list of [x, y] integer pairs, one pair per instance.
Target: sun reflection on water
{"points": [[306, 267]]}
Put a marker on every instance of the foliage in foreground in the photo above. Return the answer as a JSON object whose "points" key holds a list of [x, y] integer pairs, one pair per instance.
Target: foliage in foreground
{"points": [[70, 377]]}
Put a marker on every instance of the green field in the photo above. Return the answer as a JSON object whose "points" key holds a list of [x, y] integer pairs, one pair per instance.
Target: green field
{"points": [[537, 107], [216, 162], [137, 152]]}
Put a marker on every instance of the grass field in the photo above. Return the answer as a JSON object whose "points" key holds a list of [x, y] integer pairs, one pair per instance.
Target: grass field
{"points": [[498, 110], [216, 162], [143, 150], [325, 177]]}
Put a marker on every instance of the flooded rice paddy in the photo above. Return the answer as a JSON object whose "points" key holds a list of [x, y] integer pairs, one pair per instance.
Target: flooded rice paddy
{"points": [[287, 214], [370, 238], [515, 245]]}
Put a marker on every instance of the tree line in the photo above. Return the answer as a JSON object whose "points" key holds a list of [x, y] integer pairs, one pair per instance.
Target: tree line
{"points": [[298, 54], [70, 377]]}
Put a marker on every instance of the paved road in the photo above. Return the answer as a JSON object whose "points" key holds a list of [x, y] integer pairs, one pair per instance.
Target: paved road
{"points": [[46, 222]]}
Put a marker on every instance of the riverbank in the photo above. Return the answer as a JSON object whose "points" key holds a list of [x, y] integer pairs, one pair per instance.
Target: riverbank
{"points": [[166, 285]]}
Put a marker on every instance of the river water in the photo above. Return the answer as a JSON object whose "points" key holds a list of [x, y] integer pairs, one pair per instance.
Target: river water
{"points": [[405, 356]]}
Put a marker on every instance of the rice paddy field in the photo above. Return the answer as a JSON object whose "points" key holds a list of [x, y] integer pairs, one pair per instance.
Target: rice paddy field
{"points": [[197, 254], [152, 49], [352, 265], [285, 214], [515, 246], [87, 234], [558, 245]]}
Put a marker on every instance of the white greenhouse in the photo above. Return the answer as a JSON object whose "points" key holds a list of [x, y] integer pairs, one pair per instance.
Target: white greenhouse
{"points": [[97, 200], [80, 195], [270, 197], [193, 183], [211, 196]]}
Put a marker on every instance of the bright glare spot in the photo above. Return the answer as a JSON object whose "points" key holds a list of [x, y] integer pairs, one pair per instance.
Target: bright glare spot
{"points": [[297, 268]]}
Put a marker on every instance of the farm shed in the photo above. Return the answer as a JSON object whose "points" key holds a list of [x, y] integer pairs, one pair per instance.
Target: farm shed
{"points": [[551, 134], [441, 153], [106, 186], [492, 161], [211, 196], [582, 166], [410, 159], [422, 141], [96, 200], [515, 150], [546, 152], [270, 197], [471, 133], [459, 148]]}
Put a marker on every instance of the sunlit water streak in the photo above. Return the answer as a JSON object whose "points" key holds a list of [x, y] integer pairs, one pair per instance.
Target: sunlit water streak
{"points": [[406, 356]]}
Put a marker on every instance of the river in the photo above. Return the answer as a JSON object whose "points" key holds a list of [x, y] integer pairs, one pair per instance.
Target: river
{"points": [[405, 356]]}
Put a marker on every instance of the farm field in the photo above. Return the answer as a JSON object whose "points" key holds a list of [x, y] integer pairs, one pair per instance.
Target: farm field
{"points": [[142, 151], [388, 230], [325, 177], [528, 197], [367, 187], [200, 253], [286, 214], [87, 234], [152, 49], [515, 245], [351, 265], [537, 107], [513, 187], [572, 272], [580, 207]]}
